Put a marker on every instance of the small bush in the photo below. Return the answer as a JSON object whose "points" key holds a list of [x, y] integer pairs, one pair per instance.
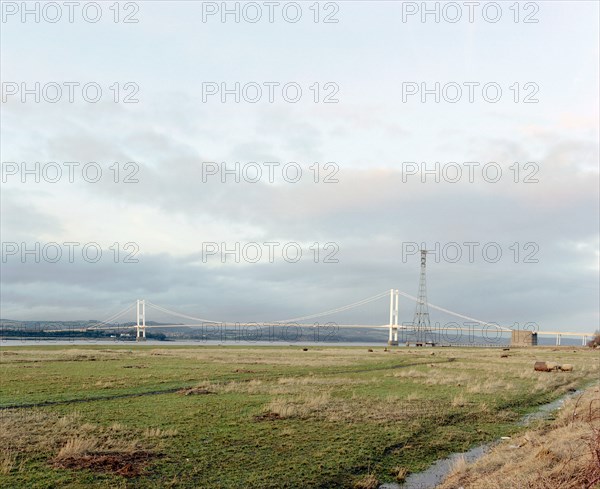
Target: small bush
{"points": [[595, 341]]}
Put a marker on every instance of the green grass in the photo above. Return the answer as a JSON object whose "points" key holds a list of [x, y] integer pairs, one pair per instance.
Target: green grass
{"points": [[338, 413]]}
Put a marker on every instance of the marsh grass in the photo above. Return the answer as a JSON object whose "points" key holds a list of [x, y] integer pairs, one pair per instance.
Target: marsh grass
{"points": [[562, 453], [399, 473], [276, 416], [369, 481], [159, 433], [8, 459], [75, 447]]}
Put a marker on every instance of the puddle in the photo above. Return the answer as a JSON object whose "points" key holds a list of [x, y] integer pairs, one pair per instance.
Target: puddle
{"points": [[437, 472], [545, 410]]}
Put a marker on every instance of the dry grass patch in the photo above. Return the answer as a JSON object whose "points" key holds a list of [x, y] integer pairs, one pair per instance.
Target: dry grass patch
{"points": [[77, 446], [409, 374], [67, 355], [252, 386], [400, 473], [366, 482], [325, 406], [103, 454], [459, 466], [71, 443], [159, 433], [282, 386], [243, 357], [459, 401], [301, 406], [564, 453], [8, 459], [490, 386]]}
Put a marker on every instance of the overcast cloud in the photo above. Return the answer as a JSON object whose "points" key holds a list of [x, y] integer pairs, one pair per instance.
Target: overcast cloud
{"points": [[374, 211]]}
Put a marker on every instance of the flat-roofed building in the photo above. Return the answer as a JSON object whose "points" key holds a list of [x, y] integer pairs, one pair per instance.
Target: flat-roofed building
{"points": [[523, 338]]}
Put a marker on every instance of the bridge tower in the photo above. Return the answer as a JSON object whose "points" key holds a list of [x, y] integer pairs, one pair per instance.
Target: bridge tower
{"points": [[140, 327], [421, 323], [393, 338]]}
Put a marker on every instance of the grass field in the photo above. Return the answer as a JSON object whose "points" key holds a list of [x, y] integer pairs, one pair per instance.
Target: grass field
{"points": [[263, 417]]}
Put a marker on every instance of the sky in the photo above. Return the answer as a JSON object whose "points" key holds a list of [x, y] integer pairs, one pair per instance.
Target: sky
{"points": [[513, 242]]}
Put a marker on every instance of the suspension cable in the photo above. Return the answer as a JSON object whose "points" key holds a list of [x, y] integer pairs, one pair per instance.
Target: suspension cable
{"points": [[338, 309], [108, 321], [433, 306], [168, 311]]}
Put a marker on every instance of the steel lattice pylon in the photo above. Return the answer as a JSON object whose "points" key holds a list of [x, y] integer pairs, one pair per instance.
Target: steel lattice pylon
{"points": [[421, 323]]}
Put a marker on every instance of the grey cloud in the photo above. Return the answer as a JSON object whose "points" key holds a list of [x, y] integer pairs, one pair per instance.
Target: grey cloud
{"points": [[370, 213]]}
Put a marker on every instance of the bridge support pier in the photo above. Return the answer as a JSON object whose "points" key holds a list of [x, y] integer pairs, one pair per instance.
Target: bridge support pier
{"points": [[140, 327], [393, 336]]}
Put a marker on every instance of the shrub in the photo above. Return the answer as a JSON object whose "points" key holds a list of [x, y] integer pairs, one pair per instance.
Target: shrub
{"points": [[595, 341]]}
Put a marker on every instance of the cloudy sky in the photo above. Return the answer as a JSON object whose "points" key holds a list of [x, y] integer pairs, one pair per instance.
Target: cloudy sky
{"points": [[170, 216]]}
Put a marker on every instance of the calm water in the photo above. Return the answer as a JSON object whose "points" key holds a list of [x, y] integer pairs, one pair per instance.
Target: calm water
{"points": [[437, 472], [80, 342]]}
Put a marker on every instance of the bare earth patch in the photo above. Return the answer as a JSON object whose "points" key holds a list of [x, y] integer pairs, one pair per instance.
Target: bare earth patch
{"points": [[124, 464], [269, 416]]}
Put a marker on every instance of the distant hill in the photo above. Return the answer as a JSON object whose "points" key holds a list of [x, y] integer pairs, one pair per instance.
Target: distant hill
{"points": [[235, 333]]}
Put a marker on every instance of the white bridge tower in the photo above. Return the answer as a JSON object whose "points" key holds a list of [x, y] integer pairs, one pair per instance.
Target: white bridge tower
{"points": [[140, 328], [393, 338]]}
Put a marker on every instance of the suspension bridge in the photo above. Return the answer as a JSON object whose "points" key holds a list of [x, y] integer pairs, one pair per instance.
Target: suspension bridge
{"points": [[139, 309], [420, 330]]}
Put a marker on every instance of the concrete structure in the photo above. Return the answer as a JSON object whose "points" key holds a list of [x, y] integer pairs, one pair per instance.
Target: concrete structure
{"points": [[523, 338]]}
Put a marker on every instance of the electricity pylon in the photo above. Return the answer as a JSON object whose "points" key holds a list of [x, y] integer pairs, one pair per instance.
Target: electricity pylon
{"points": [[421, 323]]}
